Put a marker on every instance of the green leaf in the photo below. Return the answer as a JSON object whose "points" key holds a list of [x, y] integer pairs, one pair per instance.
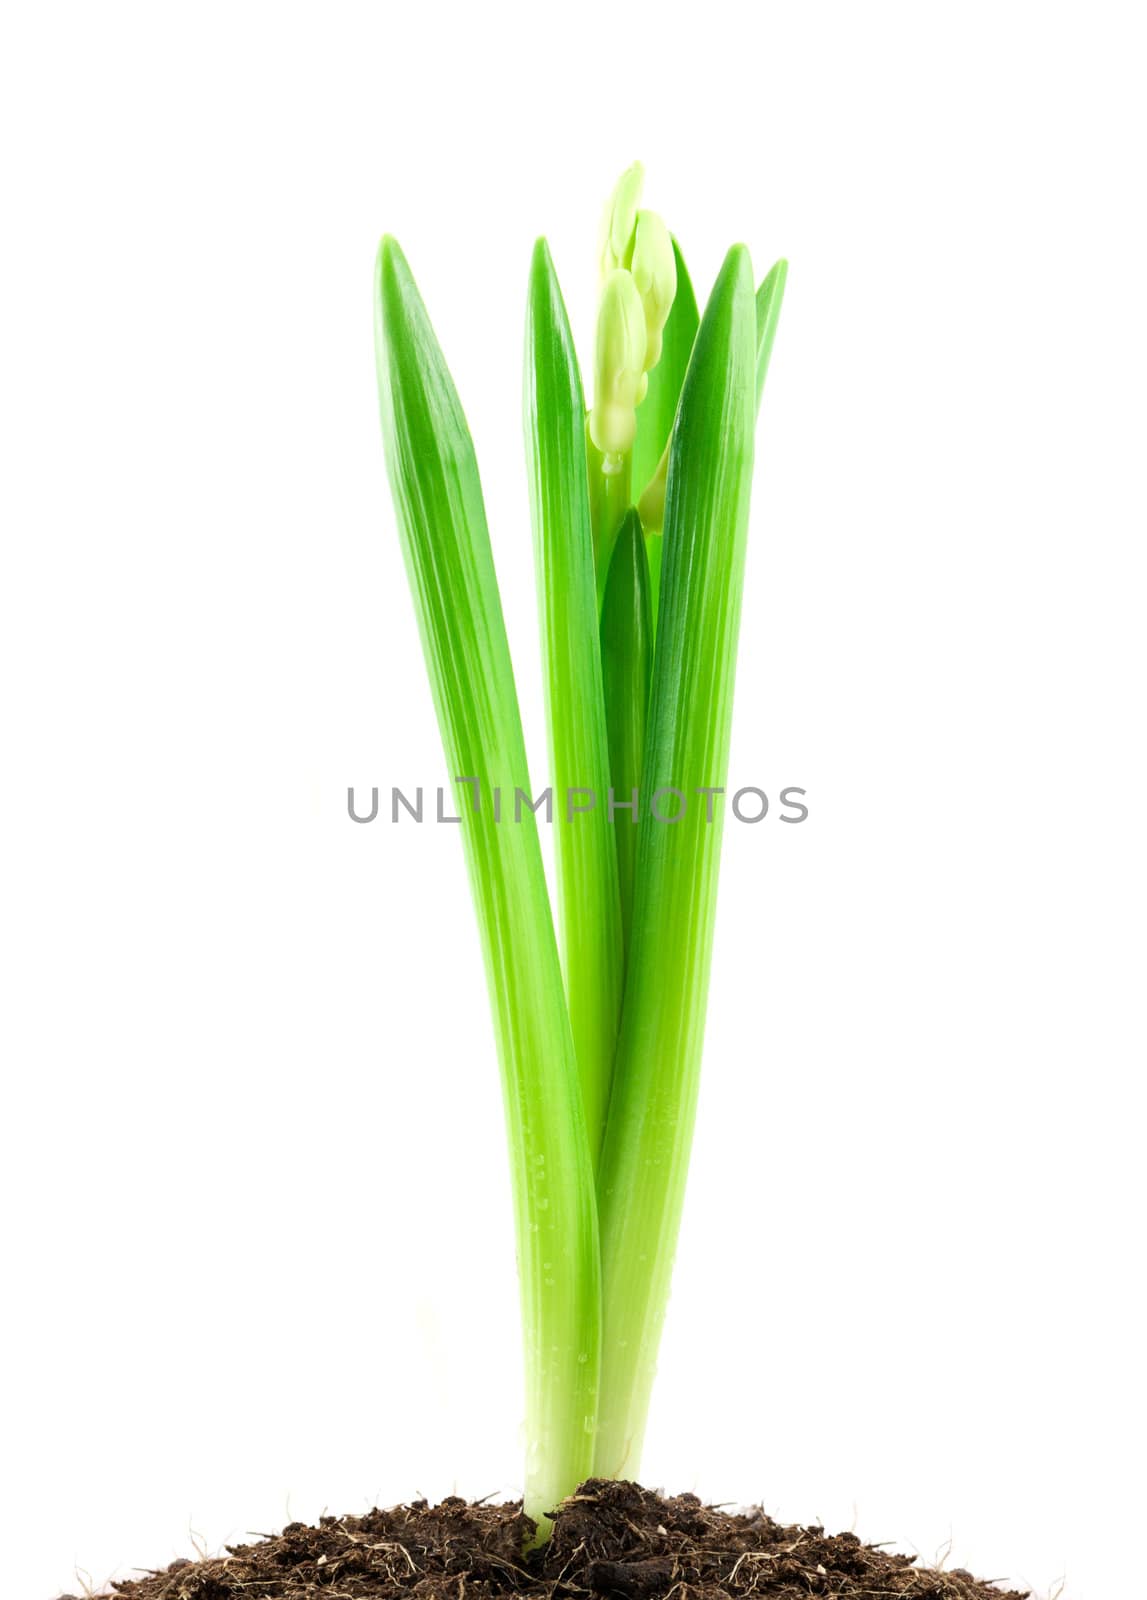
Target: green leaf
{"points": [[770, 297], [589, 914], [442, 523], [654, 545], [656, 412], [626, 662], [641, 1183]]}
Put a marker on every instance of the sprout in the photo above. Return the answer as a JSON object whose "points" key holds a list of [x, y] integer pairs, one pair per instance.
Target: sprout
{"points": [[600, 1045]]}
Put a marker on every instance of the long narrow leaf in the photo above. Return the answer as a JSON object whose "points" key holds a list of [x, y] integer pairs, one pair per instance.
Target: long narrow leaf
{"points": [[641, 1184], [654, 547], [442, 522], [589, 913], [626, 662], [770, 297]]}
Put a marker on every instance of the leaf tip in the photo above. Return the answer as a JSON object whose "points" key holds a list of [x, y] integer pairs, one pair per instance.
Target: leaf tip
{"points": [[393, 277], [543, 277], [390, 258], [738, 264], [773, 283]]}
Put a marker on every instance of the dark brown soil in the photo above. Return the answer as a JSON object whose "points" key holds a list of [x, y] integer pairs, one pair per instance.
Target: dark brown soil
{"points": [[615, 1541]]}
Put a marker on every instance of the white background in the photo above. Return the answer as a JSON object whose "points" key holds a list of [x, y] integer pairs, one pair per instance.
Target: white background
{"points": [[258, 1249]]}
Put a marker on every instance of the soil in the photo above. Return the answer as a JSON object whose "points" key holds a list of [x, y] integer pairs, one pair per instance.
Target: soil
{"points": [[611, 1541]]}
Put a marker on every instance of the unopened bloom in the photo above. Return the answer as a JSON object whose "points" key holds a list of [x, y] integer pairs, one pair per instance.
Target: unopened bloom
{"points": [[619, 369], [654, 270], [620, 220], [639, 281]]}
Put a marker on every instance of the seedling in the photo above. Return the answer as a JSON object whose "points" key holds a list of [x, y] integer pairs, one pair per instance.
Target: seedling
{"points": [[640, 511]]}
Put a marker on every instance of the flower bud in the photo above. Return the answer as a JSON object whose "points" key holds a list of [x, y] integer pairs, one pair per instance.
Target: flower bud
{"points": [[621, 220], [654, 269], [619, 369]]}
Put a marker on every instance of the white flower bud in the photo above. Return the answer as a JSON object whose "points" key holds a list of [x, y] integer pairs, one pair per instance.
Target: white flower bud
{"points": [[621, 220], [619, 369], [654, 269]]}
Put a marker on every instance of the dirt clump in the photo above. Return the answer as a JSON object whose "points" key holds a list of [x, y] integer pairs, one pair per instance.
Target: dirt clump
{"points": [[611, 1541]]}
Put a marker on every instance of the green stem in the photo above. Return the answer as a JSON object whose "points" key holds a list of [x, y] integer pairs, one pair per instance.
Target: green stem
{"points": [[609, 497]]}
